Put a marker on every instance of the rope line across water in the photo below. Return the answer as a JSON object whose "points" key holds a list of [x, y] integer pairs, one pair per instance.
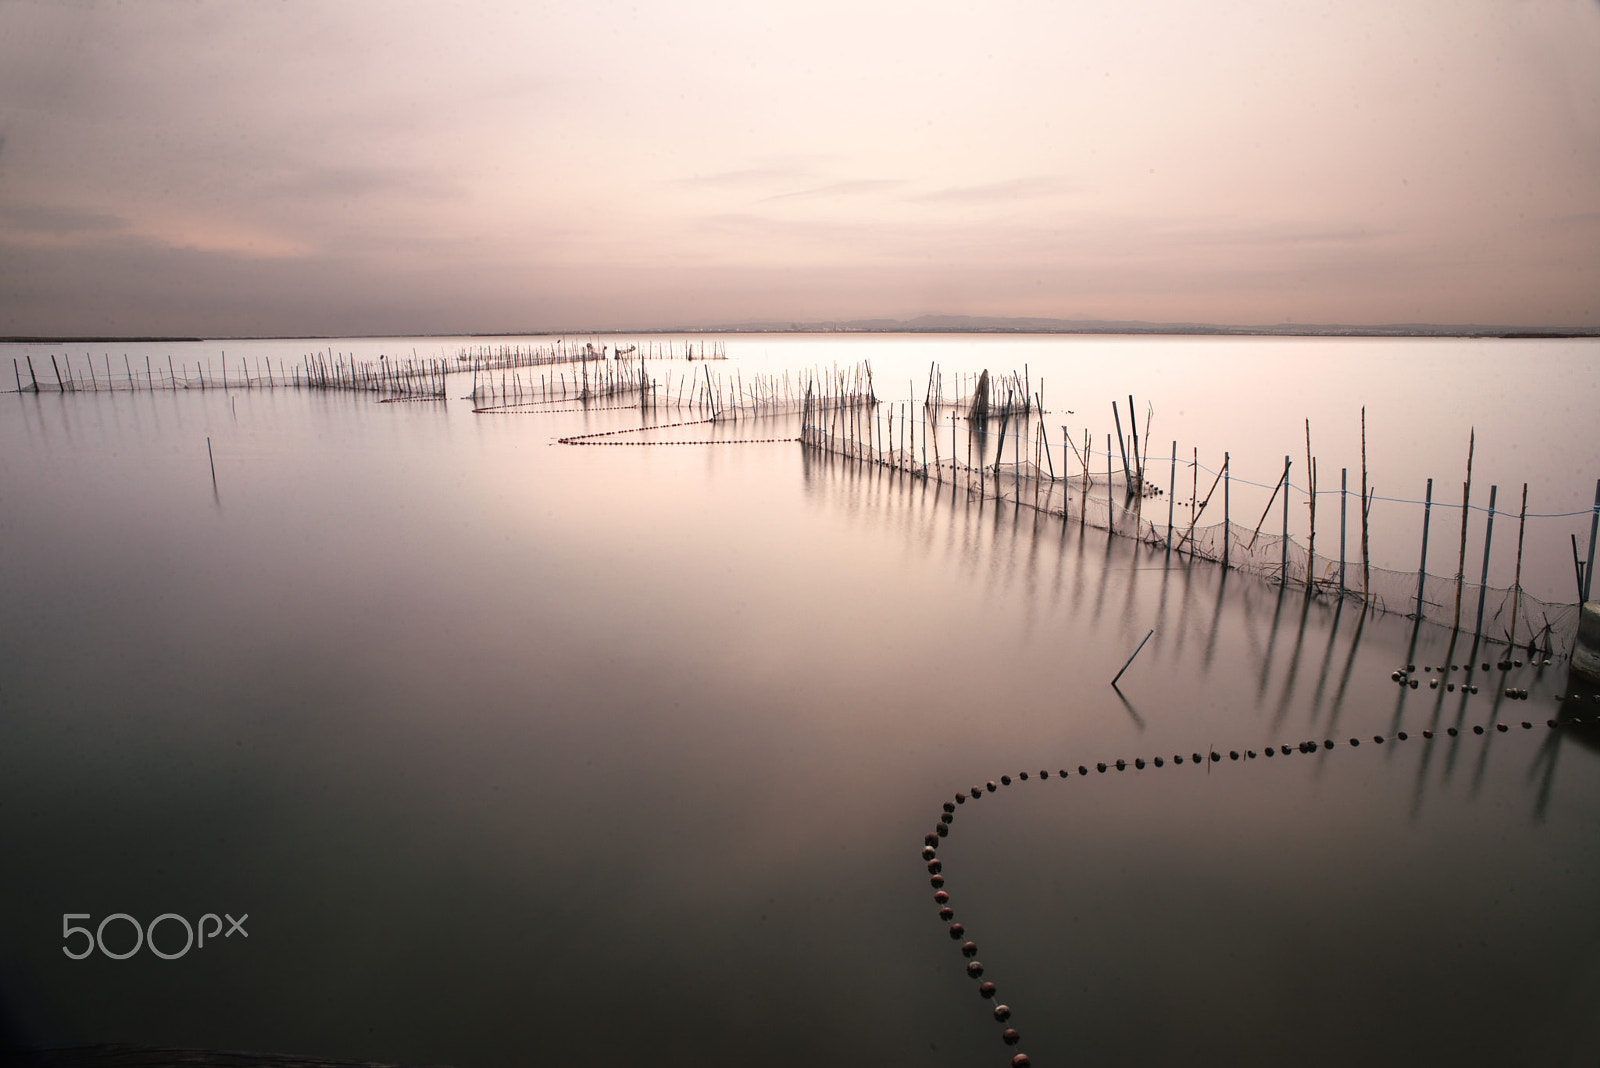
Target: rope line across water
{"points": [[930, 849], [503, 409], [703, 441]]}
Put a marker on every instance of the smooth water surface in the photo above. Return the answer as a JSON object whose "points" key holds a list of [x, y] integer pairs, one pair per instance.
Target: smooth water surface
{"points": [[522, 753]]}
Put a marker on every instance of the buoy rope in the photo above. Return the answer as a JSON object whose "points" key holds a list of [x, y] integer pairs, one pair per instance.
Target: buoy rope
{"points": [[702, 441], [931, 841], [504, 409]]}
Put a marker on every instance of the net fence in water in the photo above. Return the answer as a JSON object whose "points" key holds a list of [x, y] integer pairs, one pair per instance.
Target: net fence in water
{"points": [[1134, 508]]}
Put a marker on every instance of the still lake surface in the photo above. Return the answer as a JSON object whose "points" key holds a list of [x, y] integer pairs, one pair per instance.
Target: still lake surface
{"points": [[521, 753]]}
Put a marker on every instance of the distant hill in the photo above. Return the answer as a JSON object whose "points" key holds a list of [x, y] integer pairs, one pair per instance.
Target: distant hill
{"points": [[993, 324]]}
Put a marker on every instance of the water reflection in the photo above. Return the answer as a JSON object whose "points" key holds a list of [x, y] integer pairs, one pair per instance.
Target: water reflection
{"points": [[647, 713]]}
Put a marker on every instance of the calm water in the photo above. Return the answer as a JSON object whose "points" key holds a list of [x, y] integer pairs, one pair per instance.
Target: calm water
{"points": [[519, 753]]}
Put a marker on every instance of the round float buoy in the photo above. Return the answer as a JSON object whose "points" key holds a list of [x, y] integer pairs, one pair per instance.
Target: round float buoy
{"points": [[956, 931], [941, 896], [990, 786], [1023, 776], [986, 990], [1005, 780], [945, 817], [928, 852], [943, 830], [1355, 742], [1451, 731], [974, 969], [947, 914], [1122, 765], [1009, 1036], [969, 949], [1082, 770], [931, 839], [1427, 734], [1002, 1013], [1402, 736], [1501, 727], [1378, 738], [935, 867], [1021, 1061], [1233, 754], [948, 807], [1139, 763], [1100, 767], [1158, 762]]}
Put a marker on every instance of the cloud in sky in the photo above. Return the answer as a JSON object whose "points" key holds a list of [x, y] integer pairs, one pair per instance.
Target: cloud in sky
{"points": [[352, 167]]}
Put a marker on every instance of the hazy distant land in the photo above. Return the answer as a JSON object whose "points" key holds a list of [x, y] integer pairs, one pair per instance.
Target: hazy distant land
{"points": [[947, 324]]}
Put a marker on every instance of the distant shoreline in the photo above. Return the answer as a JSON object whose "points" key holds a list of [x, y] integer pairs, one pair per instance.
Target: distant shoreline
{"points": [[923, 325]]}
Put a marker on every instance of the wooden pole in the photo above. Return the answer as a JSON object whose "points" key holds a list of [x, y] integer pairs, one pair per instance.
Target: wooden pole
{"points": [[1282, 484], [1344, 491], [1172, 488], [1483, 582], [1366, 507], [1126, 474], [1594, 528], [1283, 570], [1136, 652], [1422, 568], [1111, 504], [1311, 504], [1466, 500], [1133, 418], [1227, 508], [1516, 583]]}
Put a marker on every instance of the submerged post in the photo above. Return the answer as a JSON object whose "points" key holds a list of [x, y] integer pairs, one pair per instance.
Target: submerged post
{"points": [[1483, 583], [1422, 568], [1130, 659]]}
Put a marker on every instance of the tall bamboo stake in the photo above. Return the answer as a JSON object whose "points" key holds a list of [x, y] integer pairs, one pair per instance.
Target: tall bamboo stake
{"points": [[1366, 507], [1311, 503], [1422, 568], [1466, 499], [1516, 583], [1483, 582]]}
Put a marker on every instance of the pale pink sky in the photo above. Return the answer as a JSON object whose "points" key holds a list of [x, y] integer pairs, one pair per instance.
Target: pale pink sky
{"points": [[357, 167]]}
